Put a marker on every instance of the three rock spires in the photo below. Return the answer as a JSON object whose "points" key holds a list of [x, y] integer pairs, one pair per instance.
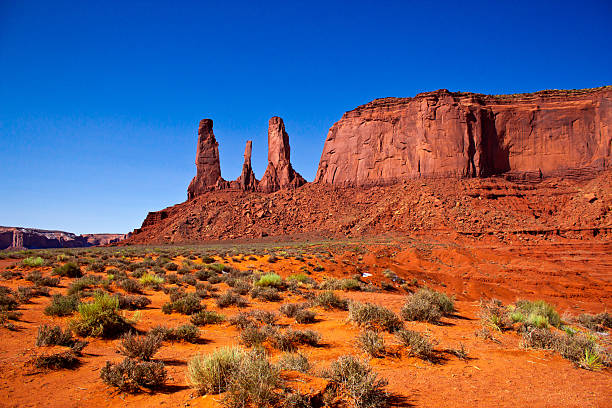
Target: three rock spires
{"points": [[278, 175]]}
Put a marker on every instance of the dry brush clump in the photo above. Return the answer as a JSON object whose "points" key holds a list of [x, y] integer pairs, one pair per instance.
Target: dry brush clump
{"points": [[355, 382], [99, 318], [133, 375], [417, 344], [374, 317], [372, 343], [185, 332], [427, 305], [141, 347]]}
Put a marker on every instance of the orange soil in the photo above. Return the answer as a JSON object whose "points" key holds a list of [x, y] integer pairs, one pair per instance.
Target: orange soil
{"points": [[576, 276]]}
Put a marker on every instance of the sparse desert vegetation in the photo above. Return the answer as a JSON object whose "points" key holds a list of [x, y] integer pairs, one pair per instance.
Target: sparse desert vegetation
{"points": [[241, 331]]}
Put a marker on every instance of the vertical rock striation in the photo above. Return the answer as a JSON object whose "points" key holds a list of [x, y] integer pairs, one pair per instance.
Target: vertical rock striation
{"points": [[442, 133], [279, 174], [247, 180], [208, 174]]}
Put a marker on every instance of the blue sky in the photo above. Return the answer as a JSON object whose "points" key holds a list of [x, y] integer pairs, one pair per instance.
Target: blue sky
{"points": [[100, 101]]}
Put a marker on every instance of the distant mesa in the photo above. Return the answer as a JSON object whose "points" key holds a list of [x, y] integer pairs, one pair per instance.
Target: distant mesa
{"points": [[31, 238], [278, 175]]}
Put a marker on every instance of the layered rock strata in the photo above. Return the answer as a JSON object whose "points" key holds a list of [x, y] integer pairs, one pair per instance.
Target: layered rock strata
{"points": [[442, 133]]}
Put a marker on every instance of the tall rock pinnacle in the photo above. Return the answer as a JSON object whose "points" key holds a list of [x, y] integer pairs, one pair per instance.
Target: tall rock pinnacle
{"points": [[279, 173], [208, 174], [247, 180]]}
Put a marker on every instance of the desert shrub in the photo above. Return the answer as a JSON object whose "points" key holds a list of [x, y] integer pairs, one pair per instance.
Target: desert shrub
{"points": [[290, 309], [98, 267], [495, 315], [205, 317], [62, 305], [242, 320], [172, 278], [81, 284], [304, 316], [130, 285], [598, 322], [8, 300], [268, 294], [290, 339], [210, 374], [171, 266], [33, 261], [131, 375], [218, 267], [539, 313], [25, 293], [264, 316], [242, 287], [329, 300], [270, 279], [186, 332], [99, 318], [427, 305], [53, 336], [253, 383], [372, 343], [301, 278], [142, 347], [56, 360], [68, 270], [418, 344], [580, 349], [208, 259], [139, 273], [153, 281], [38, 279], [189, 279], [356, 383], [133, 302], [230, 298], [294, 362], [252, 336], [373, 316], [188, 304]]}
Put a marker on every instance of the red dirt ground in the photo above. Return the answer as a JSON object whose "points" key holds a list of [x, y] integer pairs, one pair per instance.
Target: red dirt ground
{"points": [[574, 275]]}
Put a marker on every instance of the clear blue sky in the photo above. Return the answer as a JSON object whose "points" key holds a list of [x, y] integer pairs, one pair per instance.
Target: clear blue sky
{"points": [[100, 101]]}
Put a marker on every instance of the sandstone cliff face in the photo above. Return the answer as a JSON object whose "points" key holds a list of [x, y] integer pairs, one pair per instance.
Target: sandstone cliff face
{"points": [[208, 174], [441, 133], [279, 174]]}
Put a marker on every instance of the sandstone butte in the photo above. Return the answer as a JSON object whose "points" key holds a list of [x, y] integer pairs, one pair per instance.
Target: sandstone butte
{"points": [[433, 143]]}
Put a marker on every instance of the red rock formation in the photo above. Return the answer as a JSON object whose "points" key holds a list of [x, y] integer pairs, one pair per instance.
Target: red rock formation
{"points": [[279, 174], [31, 238], [208, 174], [442, 133], [247, 180]]}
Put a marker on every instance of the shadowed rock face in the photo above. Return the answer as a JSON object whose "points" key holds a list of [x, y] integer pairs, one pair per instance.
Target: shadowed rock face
{"points": [[279, 174], [208, 174], [442, 133]]}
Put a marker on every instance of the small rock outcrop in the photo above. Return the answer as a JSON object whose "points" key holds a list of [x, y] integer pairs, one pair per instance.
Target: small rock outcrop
{"points": [[247, 180], [208, 176], [279, 174]]}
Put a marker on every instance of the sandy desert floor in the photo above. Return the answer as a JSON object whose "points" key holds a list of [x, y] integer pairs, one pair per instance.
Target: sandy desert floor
{"points": [[575, 276]]}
